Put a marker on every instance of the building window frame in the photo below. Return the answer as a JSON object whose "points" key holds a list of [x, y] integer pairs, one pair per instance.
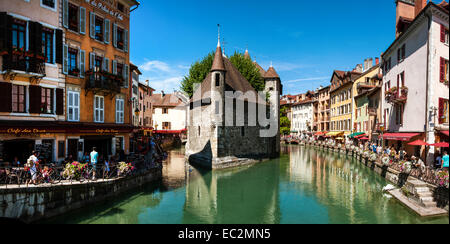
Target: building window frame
{"points": [[73, 106], [48, 45], [120, 111], [44, 4], [99, 109], [19, 98], [47, 103]]}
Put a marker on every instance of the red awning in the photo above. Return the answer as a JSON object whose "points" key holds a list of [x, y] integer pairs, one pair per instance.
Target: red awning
{"points": [[445, 132], [400, 136], [363, 138], [318, 134], [360, 136], [418, 143], [441, 144]]}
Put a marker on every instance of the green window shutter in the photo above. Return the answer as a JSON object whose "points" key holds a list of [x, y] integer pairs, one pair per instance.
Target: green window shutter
{"points": [[92, 25], [125, 43], [115, 35], [82, 20], [66, 59], [82, 63], [65, 13], [107, 30]]}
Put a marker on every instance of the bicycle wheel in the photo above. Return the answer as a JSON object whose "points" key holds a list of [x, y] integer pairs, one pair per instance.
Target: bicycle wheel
{"points": [[55, 177]]}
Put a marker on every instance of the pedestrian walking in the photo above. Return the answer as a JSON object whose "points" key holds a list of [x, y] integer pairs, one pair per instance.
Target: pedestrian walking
{"points": [[445, 161], [94, 160]]}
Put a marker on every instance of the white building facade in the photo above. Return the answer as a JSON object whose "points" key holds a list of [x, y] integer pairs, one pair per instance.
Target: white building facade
{"points": [[302, 118], [415, 81]]}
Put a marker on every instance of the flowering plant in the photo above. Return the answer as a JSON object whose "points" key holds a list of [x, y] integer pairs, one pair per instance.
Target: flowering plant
{"points": [[373, 157], [405, 167], [125, 168], [386, 161], [74, 170], [442, 178]]}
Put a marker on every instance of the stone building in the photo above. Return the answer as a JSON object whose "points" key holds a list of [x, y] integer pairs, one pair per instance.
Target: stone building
{"points": [[169, 113], [220, 137]]}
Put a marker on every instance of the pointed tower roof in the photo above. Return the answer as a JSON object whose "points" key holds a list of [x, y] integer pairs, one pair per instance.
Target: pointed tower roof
{"points": [[218, 60], [218, 57], [271, 73]]}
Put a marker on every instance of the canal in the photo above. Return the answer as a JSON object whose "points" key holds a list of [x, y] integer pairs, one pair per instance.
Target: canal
{"points": [[303, 186]]}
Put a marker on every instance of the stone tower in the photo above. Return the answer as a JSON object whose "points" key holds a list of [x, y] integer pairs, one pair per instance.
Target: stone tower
{"points": [[274, 88], [218, 73]]}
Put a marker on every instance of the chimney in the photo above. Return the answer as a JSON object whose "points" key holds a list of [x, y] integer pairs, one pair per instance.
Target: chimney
{"points": [[163, 94], [405, 14], [377, 61], [420, 5], [369, 63]]}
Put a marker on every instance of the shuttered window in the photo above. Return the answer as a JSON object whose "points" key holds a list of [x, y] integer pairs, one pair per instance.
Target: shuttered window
{"points": [[443, 111], [73, 106], [99, 29], [73, 62], [47, 44], [120, 111], [18, 34], [444, 35], [35, 99], [99, 109], [46, 101], [444, 70], [107, 31], [82, 63], [18, 99], [82, 20], [73, 17]]}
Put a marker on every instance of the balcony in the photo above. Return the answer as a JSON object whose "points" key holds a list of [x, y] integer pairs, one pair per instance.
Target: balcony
{"points": [[396, 96], [22, 63], [103, 82], [372, 112]]}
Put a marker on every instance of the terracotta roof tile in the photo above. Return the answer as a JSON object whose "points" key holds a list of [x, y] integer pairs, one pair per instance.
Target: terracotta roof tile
{"points": [[218, 61], [169, 100], [271, 73]]}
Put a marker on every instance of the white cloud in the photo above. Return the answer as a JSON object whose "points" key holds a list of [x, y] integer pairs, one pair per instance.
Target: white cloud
{"points": [[309, 79], [163, 76]]}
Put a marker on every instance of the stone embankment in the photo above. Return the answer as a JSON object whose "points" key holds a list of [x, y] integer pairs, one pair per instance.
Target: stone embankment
{"points": [[425, 198], [36, 203]]}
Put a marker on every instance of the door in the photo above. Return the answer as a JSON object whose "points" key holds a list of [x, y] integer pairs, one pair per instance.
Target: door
{"points": [[72, 148]]}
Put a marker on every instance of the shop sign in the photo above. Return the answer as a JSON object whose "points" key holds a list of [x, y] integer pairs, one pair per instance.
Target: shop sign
{"points": [[105, 8], [106, 131], [18, 131]]}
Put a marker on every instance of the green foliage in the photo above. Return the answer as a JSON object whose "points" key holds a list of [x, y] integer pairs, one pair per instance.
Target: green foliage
{"points": [[198, 72], [200, 69], [249, 70], [285, 130]]}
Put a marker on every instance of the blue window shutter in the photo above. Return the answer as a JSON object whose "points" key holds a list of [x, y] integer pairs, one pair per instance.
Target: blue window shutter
{"points": [[107, 64], [107, 31], [114, 62], [125, 44], [92, 25], [82, 20], [115, 35], [91, 60], [65, 14], [127, 75], [82, 63], [66, 59]]}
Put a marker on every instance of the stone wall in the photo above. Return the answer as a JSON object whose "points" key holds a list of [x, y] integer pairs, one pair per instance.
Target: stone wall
{"points": [[30, 204]]}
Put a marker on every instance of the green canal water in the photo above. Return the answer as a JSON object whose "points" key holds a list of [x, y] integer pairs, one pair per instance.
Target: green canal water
{"points": [[303, 186]]}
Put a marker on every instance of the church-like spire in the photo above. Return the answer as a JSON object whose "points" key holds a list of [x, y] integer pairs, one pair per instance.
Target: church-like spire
{"points": [[218, 57], [271, 73]]}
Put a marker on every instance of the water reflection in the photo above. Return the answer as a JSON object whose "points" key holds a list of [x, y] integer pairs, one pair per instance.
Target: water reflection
{"points": [[247, 195], [304, 186]]}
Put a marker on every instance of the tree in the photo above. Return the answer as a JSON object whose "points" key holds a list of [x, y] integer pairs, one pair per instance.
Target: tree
{"points": [[200, 69], [285, 123], [198, 72]]}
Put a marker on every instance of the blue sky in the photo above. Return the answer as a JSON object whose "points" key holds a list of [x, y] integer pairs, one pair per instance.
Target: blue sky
{"points": [[305, 40]]}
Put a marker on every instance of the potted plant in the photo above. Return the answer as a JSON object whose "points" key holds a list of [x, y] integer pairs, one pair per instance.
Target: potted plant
{"points": [[386, 161], [442, 179]]}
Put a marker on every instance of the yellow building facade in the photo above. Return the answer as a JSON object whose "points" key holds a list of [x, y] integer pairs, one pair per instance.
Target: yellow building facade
{"points": [[341, 96]]}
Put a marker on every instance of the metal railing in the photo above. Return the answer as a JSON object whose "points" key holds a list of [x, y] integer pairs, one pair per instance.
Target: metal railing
{"points": [[103, 81], [23, 63]]}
